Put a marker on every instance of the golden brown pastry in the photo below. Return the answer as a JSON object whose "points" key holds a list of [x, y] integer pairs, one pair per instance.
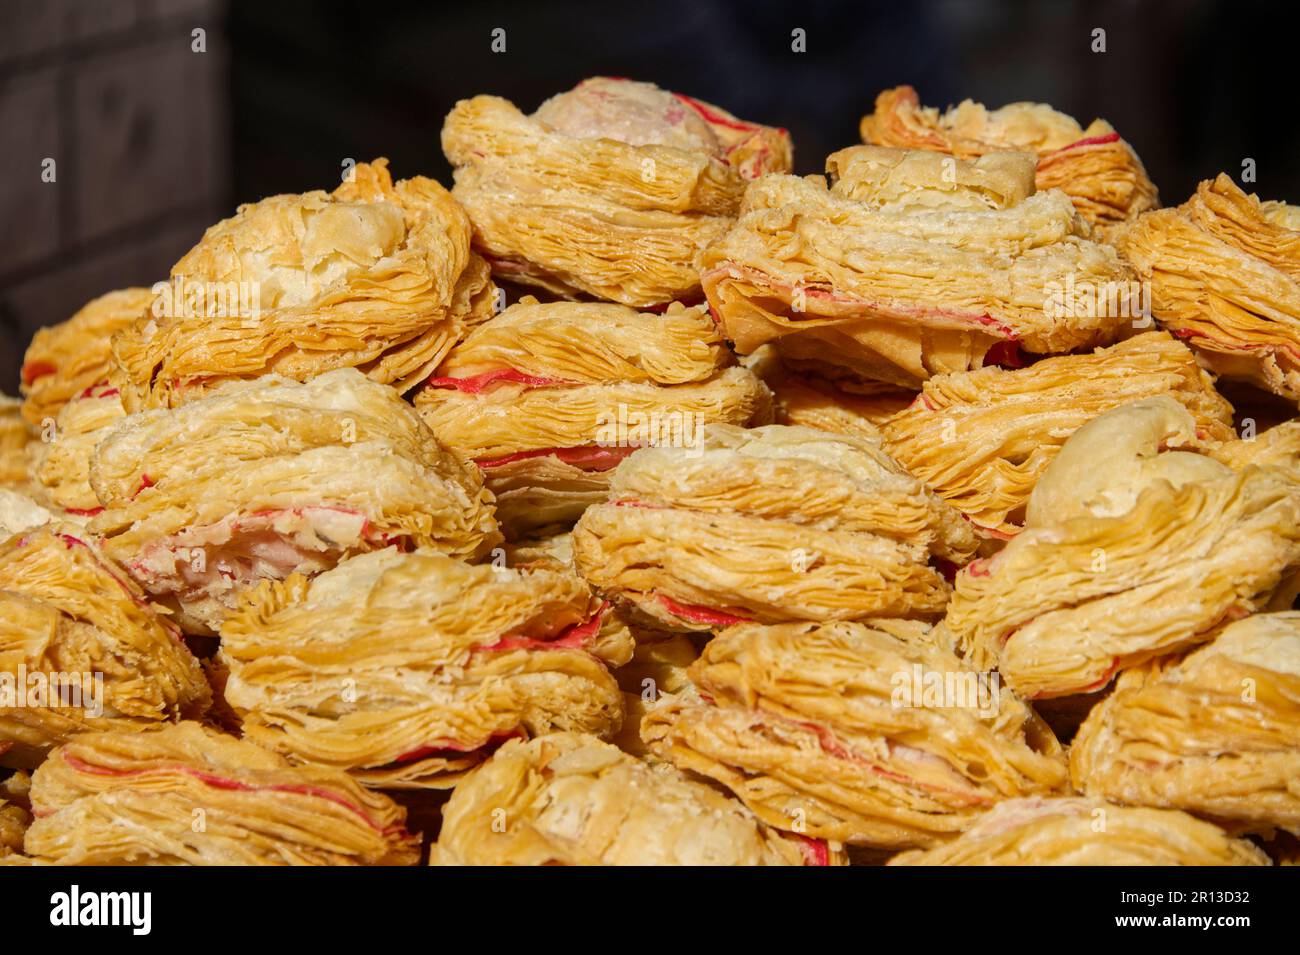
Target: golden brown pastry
{"points": [[569, 799], [66, 360], [408, 669], [1072, 831], [814, 400], [1100, 172], [16, 446], [981, 439], [548, 398], [189, 795], [375, 276], [81, 649], [1224, 270], [63, 462], [866, 734], [911, 264], [1216, 733], [1130, 552], [267, 478], [609, 190], [770, 524], [13, 823], [19, 512]]}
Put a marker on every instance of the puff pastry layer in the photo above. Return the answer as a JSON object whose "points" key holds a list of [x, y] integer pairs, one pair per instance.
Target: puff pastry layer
{"points": [[1224, 270], [375, 276], [820, 729], [188, 795], [911, 264], [1074, 831], [63, 462], [981, 439], [548, 398], [407, 669], [609, 190], [67, 359], [266, 478], [1118, 537], [71, 619], [1216, 733], [1100, 172], [568, 799], [771, 524]]}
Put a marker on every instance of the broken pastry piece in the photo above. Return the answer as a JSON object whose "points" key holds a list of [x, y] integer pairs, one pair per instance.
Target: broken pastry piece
{"points": [[1118, 532], [13, 823], [63, 462], [1100, 172], [912, 264], [609, 190], [81, 649], [859, 733], [1072, 831], [408, 669], [189, 795], [267, 478], [1216, 733], [770, 524], [548, 398], [375, 276], [68, 359], [981, 439], [1224, 270], [19, 512], [569, 799]]}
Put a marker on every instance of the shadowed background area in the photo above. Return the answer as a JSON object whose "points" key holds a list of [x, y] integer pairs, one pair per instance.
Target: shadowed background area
{"points": [[153, 141]]}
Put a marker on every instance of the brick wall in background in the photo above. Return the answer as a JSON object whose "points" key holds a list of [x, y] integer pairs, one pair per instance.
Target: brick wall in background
{"points": [[137, 124]]}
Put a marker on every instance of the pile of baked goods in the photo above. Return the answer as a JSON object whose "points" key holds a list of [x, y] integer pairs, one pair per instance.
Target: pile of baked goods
{"points": [[636, 502]]}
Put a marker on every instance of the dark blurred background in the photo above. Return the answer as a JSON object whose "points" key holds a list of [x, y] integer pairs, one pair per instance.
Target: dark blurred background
{"points": [[154, 140]]}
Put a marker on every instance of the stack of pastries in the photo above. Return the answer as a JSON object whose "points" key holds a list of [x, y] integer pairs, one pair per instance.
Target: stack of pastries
{"points": [[635, 501]]}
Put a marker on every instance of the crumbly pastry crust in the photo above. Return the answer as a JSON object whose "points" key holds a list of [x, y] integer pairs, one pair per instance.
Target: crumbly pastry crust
{"points": [[376, 276], [896, 283], [804, 723], [773, 524], [1097, 169], [265, 478], [568, 799], [981, 439], [406, 669], [67, 609], [1074, 831], [1216, 733], [610, 190], [1224, 270], [1118, 534], [134, 799], [67, 359]]}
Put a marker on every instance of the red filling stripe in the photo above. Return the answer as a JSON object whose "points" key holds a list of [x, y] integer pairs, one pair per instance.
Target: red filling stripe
{"points": [[476, 384]]}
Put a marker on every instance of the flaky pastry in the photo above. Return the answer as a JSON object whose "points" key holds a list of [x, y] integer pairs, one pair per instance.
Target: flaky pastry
{"points": [[981, 439], [1072, 831], [375, 276], [912, 264], [81, 649], [609, 190], [65, 360], [1216, 733], [831, 730], [1129, 553], [188, 795], [63, 462], [569, 799], [548, 398], [17, 446], [771, 524], [267, 478], [1224, 270], [407, 669], [1097, 169]]}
